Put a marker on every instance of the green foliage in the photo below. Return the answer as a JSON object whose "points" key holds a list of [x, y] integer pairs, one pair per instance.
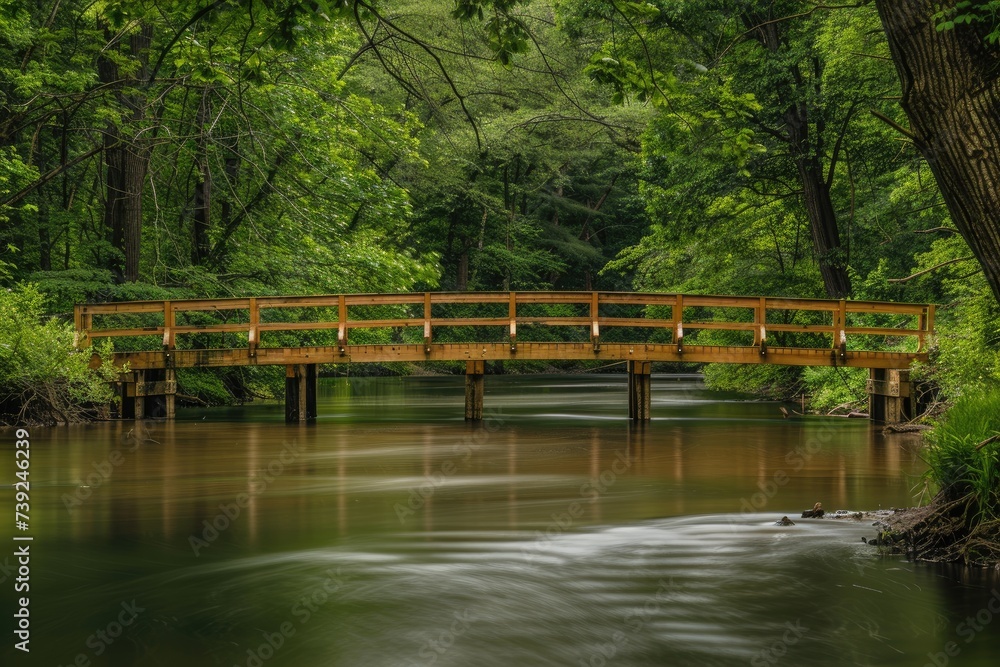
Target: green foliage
{"points": [[972, 12], [774, 382], [965, 355], [964, 453], [832, 388], [43, 378]]}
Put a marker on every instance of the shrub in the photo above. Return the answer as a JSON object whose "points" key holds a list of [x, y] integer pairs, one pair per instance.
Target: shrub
{"points": [[43, 377]]}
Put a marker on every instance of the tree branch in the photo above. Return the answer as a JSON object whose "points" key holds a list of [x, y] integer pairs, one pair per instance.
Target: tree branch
{"points": [[893, 124], [935, 229], [194, 19], [933, 268], [16, 197]]}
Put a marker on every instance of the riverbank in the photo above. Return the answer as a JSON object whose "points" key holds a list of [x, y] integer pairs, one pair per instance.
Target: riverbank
{"points": [[940, 532]]}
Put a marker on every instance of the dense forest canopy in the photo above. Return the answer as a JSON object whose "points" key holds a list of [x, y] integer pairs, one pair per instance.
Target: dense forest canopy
{"points": [[782, 147]]}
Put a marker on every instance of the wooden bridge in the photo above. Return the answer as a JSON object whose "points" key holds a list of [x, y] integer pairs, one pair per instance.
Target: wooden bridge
{"points": [[299, 332]]}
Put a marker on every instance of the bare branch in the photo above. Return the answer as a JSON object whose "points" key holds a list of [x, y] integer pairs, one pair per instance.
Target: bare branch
{"points": [[933, 268]]}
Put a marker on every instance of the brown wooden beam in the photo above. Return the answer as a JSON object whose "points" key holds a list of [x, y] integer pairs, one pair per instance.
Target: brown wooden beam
{"points": [[610, 352]]}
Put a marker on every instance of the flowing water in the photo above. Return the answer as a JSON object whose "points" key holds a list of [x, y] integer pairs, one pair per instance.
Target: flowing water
{"points": [[556, 533]]}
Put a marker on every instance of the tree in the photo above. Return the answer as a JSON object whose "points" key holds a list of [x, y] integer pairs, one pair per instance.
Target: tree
{"points": [[951, 95]]}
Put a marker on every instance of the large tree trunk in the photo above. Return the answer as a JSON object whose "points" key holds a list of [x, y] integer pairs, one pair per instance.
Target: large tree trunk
{"points": [[127, 159], [951, 95]]}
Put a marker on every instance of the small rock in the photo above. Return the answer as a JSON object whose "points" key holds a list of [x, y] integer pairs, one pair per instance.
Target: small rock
{"points": [[816, 512]]}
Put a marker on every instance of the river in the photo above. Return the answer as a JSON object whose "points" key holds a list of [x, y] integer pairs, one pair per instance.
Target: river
{"points": [[392, 533]]}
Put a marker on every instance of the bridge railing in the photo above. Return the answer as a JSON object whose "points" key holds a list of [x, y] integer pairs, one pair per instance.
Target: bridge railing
{"points": [[757, 319]]}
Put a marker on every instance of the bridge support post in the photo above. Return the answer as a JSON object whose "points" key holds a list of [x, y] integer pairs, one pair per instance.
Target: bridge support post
{"points": [[149, 394], [891, 398], [300, 393], [639, 390], [474, 384]]}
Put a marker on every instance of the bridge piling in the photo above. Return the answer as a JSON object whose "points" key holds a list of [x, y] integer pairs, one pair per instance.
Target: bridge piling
{"points": [[300, 393], [474, 385], [148, 394], [891, 396], [639, 390]]}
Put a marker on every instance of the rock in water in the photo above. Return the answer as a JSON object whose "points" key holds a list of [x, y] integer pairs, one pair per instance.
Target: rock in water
{"points": [[815, 513]]}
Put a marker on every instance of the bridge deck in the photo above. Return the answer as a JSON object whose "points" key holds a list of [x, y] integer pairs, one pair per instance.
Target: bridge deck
{"points": [[442, 326]]}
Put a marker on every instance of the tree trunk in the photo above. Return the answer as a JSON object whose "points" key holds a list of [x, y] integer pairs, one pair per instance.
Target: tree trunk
{"points": [[951, 95], [823, 225], [126, 158], [806, 149], [462, 278], [202, 221]]}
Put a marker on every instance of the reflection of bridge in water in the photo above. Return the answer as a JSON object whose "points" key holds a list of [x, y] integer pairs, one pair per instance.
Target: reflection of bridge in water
{"points": [[475, 327]]}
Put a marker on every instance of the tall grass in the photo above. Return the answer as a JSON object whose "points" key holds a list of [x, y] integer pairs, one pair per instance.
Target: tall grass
{"points": [[964, 454]]}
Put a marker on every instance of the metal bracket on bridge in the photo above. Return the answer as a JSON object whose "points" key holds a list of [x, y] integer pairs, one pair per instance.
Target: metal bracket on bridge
{"points": [[427, 322], [252, 340], [342, 324]]}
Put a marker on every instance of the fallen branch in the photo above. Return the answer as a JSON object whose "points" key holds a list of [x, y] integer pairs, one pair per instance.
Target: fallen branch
{"points": [[904, 428], [191, 399]]}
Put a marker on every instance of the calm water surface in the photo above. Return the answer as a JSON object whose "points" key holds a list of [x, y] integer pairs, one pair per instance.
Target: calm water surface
{"points": [[391, 533]]}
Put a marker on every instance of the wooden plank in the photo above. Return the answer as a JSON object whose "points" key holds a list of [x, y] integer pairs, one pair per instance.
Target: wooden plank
{"points": [[724, 326], [341, 322], [595, 320], [677, 310], [212, 328], [470, 297], [379, 324], [885, 307], [297, 326], [784, 303], [384, 299], [647, 322], [536, 351], [553, 297], [168, 326], [318, 301], [883, 331], [470, 321], [760, 325], [720, 301], [254, 332], [512, 316], [211, 304], [802, 328], [114, 333], [122, 307], [636, 299], [556, 321]]}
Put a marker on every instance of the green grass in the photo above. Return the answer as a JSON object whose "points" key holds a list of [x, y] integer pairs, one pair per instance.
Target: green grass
{"points": [[964, 453]]}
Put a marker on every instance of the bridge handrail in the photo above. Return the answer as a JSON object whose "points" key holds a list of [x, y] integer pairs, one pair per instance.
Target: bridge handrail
{"points": [[838, 327]]}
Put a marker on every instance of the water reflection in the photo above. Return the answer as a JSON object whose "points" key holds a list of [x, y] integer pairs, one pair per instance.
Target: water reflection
{"points": [[558, 533]]}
